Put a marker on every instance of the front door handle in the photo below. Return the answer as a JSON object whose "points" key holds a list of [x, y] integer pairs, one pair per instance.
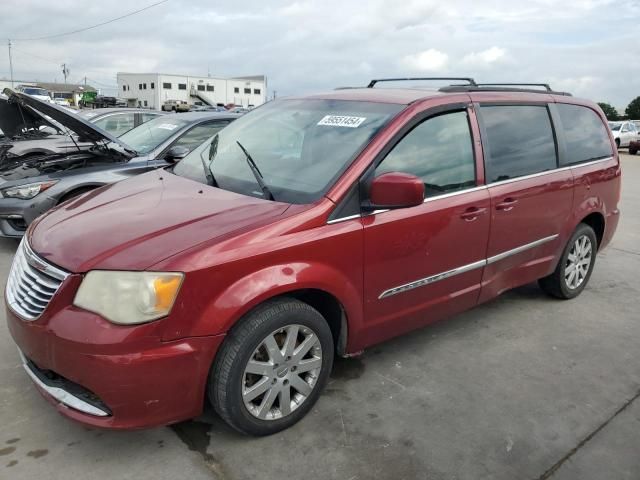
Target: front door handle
{"points": [[507, 204], [471, 213]]}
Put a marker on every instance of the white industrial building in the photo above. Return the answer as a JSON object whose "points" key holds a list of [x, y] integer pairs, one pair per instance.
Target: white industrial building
{"points": [[151, 90]]}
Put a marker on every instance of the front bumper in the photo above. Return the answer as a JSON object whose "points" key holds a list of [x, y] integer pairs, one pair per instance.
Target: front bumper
{"points": [[111, 376], [17, 214]]}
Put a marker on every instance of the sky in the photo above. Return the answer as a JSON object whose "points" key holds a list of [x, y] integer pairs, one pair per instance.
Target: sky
{"points": [[590, 48]]}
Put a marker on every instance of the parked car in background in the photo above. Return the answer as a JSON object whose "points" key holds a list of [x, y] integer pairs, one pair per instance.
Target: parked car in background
{"points": [[33, 132], [175, 106], [118, 121], [63, 102], [310, 227], [35, 92], [32, 184], [624, 132], [102, 101]]}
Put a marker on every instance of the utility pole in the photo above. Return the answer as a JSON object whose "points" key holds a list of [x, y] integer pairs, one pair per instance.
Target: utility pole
{"points": [[65, 71], [10, 62]]}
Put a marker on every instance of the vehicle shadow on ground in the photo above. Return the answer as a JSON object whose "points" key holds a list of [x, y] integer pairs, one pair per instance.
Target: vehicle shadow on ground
{"points": [[209, 429]]}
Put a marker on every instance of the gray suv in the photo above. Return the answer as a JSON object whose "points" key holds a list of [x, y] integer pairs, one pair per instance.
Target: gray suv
{"points": [[30, 185]]}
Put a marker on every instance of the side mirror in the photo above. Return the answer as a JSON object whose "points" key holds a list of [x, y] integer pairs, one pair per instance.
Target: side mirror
{"points": [[395, 190], [176, 154]]}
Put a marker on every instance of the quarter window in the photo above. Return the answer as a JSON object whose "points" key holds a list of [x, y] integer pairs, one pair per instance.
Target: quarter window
{"points": [[585, 135], [439, 151], [519, 141]]}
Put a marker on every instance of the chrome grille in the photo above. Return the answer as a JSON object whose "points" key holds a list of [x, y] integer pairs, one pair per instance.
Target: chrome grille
{"points": [[32, 283]]}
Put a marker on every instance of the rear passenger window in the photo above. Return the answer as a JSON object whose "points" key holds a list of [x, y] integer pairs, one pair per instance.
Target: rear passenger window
{"points": [[519, 141], [585, 134], [439, 151]]}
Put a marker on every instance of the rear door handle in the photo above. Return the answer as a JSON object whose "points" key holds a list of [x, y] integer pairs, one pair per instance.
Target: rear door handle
{"points": [[471, 213], [507, 204]]}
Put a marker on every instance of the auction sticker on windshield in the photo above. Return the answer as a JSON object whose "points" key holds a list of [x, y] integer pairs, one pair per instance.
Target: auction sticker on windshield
{"points": [[168, 126], [341, 121]]}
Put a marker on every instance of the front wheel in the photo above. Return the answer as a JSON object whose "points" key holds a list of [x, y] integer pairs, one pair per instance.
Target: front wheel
{"points": [[272, 367], [575, 266]]}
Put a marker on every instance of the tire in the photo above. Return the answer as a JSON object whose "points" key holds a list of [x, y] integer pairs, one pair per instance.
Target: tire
{"points": [[230, 385], [633, 151], [561, 284]]}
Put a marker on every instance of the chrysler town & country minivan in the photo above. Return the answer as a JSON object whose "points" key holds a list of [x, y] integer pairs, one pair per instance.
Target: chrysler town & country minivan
{"points": [[310, 227]]}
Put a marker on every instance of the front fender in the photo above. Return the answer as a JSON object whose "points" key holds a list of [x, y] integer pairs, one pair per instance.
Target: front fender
{"points": [[246, 293]]}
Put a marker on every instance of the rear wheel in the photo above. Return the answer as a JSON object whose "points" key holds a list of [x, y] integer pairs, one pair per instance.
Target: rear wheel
{"points": [[575, 266], [633, 151], [272, 367]]}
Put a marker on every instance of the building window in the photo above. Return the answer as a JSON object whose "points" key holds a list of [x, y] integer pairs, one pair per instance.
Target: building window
{"points": [[256, 91], [209, 88], [236, 90], [145, 103], [124, 88], [182, 86], [144, 86], [201, 88], [166, 86], [247, 90], [153, 85], [139, 86]]}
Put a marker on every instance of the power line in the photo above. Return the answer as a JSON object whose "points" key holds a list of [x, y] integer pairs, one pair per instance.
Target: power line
{"points": [[92, 26]]}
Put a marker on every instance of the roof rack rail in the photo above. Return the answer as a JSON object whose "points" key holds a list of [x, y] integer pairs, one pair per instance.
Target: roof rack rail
{"points": [[470, 81], [502, 87], [545, 85]]}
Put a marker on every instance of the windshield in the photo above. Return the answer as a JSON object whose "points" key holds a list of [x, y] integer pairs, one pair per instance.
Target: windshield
{"points": [[615, 126], [36, 91], [300, 147], [148, 136]]}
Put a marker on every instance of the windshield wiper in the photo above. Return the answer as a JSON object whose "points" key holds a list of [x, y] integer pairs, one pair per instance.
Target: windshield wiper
{"points": [[208, 173], [256, 173]]}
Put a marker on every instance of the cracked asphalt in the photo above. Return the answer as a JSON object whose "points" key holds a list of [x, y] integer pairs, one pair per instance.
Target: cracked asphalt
{"points": [[523, 387]]}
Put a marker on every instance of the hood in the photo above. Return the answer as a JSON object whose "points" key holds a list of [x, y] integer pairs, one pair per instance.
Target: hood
{"points": [[136, 223], [14, 120], [84, 129]]}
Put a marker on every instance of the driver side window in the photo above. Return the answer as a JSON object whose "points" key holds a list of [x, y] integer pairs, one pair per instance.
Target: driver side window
{"points": [[439, 151]]}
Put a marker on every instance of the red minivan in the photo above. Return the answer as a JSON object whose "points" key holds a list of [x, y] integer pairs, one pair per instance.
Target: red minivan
{"points": [[310, 227]]}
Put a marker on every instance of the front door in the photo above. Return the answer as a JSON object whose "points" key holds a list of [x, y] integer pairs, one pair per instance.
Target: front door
{"points": [[425, 262], [531, 199]]}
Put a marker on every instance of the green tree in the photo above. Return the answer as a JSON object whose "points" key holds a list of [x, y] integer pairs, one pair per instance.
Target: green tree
{"points": [[609, 110], [633, 109]]}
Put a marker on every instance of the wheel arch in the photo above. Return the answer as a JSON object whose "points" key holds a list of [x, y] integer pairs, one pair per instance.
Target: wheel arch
{"points": [[76, 189], [320, 286], [597, 222]]}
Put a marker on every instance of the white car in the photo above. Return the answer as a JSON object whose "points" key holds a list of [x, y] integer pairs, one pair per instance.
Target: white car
{"points": [[63, 102], [35, 92], [624, 132]]}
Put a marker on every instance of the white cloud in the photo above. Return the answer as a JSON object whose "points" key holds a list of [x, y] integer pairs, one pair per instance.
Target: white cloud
{"points": [[485, 57], [431, 60]]}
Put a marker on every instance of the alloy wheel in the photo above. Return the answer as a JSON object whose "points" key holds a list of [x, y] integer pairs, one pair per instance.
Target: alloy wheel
{"points": [[578, 262], [282, 372]]}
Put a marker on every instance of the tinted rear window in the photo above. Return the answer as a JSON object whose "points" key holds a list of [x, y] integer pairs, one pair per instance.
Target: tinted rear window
{"points": [[519, 139], [585, 134]]}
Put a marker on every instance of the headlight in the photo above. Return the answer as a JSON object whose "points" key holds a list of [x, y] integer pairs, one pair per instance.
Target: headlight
{"points": [[28, 190], [128, 298]]}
